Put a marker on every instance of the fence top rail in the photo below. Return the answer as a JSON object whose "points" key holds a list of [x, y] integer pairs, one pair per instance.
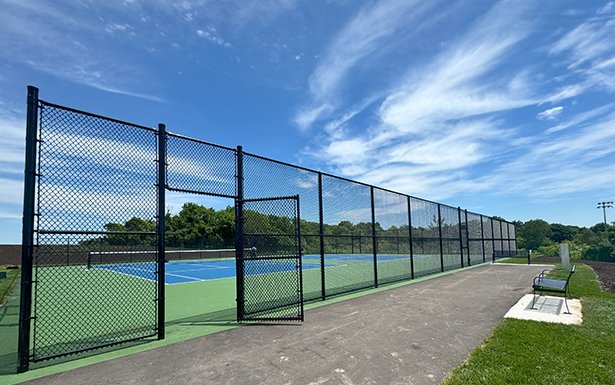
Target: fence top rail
{"points": [[179, 136], [281, 162], [44, 103]]}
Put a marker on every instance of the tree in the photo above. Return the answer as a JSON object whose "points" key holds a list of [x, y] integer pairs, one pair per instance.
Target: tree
{"points": [[611, 234], [599, 227], [560, 233], [534, 233], [586, 236]]}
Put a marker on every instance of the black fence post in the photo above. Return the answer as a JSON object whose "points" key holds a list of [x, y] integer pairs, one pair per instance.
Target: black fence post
{"points": [[440, 237], [460, 235], [501, 238], [492, 241], [468, 237], [322, 238], [482, 237], [162, 184], [239, 235], [27, 235], [300, 265], [509, 243], [410, 239], [374, 241]]}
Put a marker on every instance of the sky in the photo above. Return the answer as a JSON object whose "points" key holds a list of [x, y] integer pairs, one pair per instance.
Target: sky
{"points": [[504, 108]]}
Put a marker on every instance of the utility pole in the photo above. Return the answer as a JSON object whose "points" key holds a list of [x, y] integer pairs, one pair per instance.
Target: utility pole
{"points": [[604, 206]]}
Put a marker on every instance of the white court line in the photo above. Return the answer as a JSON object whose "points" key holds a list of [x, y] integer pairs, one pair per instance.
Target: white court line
{"points": [[188, 271], [128, 274], [185, 276], [210, 267]]}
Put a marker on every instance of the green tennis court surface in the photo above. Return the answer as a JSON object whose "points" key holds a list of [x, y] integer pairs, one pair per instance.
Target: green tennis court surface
{"points": [[208, 301]]}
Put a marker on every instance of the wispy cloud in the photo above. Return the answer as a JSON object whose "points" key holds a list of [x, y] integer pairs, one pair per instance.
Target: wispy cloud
{"points": [[581, 119], [72, 43], [365, 35], [12, 191], [587, 50], [210, 34], [11, 145], [581, 160], [430, 126], [550, 113], [441, 128]]}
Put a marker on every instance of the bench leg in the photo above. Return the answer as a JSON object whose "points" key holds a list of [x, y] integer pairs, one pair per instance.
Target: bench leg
{"points": [[566, 293], [534, 300], [566, 302]]}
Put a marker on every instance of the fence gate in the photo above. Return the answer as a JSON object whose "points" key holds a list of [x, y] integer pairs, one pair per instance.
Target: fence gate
{"points": [[91, 272], [269, 269]]}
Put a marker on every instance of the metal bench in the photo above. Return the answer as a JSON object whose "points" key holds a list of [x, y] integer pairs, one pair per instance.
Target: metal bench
{"points": [[553, 285]]}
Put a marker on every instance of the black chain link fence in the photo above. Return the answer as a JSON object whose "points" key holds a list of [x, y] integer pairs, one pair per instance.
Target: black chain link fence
{"points": [[96, 215], [270, 268], [197, 167], [475, 238], [95, 176]]}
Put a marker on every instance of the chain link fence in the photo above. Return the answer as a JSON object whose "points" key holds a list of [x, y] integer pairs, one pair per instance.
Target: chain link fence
{"points": [[96, 191]]}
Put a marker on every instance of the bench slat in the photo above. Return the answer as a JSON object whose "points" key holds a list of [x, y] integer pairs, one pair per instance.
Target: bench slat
{"points": [[550, 283]]}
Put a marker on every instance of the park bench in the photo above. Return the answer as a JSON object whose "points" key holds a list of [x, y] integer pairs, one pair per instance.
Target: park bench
{"points": [[553, 285]]}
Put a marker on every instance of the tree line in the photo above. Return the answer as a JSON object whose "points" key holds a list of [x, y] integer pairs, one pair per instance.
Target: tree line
{"points": [[594, 243], [199, 227]]}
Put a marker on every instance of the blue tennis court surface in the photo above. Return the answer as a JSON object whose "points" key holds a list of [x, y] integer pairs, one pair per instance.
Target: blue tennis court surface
{"points": [[205, 270]]}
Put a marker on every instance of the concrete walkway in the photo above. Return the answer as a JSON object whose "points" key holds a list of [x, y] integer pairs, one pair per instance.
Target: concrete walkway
{"points": [[414, 334]]}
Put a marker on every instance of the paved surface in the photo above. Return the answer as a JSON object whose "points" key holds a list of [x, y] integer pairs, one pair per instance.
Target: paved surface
{"points": [[409, 335]]}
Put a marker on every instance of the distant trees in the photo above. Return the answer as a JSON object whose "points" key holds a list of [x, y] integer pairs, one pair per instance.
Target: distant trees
{"points": [[199, 227], [534, 233], [196, 226], [594, 243]]}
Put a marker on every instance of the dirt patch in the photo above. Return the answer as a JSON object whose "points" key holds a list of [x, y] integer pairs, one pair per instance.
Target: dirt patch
{"points": [[604, 270]]}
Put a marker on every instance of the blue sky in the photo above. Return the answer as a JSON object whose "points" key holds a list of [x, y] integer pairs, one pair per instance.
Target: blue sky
{"points": [[504, 108]]}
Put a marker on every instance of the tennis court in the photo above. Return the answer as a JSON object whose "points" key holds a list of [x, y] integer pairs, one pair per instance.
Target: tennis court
{"points": [[187, 271], [177, 272]]}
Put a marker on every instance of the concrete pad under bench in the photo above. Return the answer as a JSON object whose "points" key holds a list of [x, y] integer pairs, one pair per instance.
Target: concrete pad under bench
{"points": [[547, 309]]}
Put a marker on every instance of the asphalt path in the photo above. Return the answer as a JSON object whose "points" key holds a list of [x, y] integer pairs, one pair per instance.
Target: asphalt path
{"points": [[414, 334]]}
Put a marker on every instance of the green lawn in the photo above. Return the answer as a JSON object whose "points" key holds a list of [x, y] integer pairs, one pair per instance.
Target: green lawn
{"points": [[529, 352], [520, 261]]}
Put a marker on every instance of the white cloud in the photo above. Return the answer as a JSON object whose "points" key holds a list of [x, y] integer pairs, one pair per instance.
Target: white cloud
{"points": [[581, 160], [11, 191], [580, 119], [438, 130], [357, 42], [550, 113], [430, 126], [587, 51], [209, 33], [80, 49], [607, 9], [12, 144]]}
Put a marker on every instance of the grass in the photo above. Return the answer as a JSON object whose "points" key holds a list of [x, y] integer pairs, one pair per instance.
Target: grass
{"points": [[7, 284], [520, 260], [529, 352]]}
